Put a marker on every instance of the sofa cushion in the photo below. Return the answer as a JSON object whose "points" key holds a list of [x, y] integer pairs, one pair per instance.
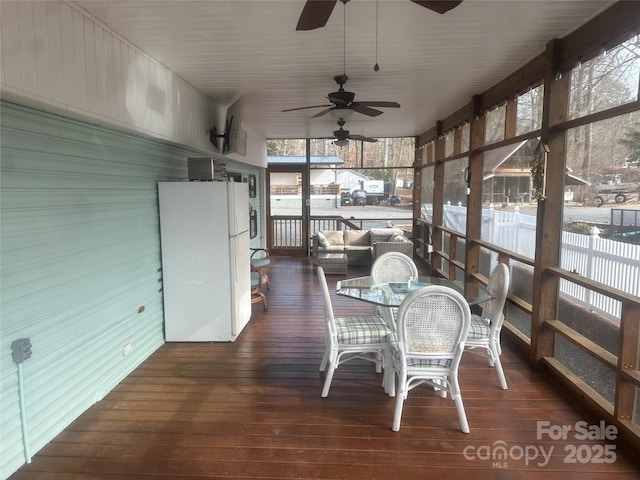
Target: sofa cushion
{"points": [[357, 248], [322, 240], [333, 249], [334, 237], [357, 237], [398, 238], [383, 234]]}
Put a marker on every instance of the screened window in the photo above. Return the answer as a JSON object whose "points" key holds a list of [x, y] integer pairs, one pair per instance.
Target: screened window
{"points": [[603, 244], [508, 214], [529, 110], [426, 193], [606, 81], [449, 143], [455, 195], [495, 125], [465, 136]]}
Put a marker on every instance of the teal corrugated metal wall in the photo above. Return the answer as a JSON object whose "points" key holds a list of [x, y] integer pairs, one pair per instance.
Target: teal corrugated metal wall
{"points": [[79, 257]]}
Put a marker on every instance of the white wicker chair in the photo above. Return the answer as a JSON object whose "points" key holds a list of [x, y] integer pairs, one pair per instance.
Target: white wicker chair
{"points": [[432, 325], [394, 267], [352, 337], [484, 333]]}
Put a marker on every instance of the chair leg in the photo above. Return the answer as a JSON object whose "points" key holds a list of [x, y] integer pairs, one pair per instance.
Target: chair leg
{"points": [[401, 393], [325, 358], [390, 382], [328, 379], [498, 366], [388, 376], [457, 397], [266, 278], [258, 296]]}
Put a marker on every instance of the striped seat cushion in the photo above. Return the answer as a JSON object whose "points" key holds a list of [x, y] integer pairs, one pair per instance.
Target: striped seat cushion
{"points": [[359, 330], [394, 346], [479, 327]]}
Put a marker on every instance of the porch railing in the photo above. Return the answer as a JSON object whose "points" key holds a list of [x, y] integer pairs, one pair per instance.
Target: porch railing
{"points": [[603, 260]]}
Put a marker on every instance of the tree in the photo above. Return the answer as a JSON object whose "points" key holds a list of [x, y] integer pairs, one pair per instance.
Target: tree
{"points": [[632, 142]]}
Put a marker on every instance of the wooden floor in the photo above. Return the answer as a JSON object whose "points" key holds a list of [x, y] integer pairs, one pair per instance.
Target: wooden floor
{"points": [[252, 409]]}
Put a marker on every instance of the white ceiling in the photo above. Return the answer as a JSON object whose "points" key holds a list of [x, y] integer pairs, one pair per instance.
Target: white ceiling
{"points": [[429, 63]]}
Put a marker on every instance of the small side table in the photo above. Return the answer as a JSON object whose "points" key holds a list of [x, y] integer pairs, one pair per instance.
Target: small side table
{"points": [[333, 262]]}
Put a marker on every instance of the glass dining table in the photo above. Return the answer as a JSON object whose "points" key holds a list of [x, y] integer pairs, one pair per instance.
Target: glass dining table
{"points": [[391, 294]]}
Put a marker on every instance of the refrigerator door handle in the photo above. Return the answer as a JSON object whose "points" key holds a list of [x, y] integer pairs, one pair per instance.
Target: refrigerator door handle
{"points": [[234, 265], [233, 217]]}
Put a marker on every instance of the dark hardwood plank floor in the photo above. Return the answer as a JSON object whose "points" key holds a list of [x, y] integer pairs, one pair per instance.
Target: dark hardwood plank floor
{"points": [[252, 409]]}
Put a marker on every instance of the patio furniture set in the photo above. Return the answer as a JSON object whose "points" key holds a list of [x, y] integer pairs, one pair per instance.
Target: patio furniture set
{"points": [[335, 250], [421, 338]]}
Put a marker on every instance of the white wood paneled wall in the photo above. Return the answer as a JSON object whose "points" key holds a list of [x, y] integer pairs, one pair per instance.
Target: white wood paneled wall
{"points": [[54, 54]]}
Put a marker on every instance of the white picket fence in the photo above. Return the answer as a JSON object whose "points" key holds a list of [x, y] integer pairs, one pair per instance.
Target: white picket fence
{"points": [[612, 263]]}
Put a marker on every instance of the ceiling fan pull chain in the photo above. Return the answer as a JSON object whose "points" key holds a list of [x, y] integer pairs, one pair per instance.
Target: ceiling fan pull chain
{"points": [[344, 38], [376, 67]]}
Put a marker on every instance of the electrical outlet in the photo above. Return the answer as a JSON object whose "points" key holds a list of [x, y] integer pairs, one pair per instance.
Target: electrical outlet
{"points": [[127, 349], [21, 350]]}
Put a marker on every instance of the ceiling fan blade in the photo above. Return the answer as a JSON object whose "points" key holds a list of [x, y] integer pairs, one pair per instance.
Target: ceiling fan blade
{"points": [[305, 108], [364, 139], [439, 6], [319, 114], [357, 107], [380, 104], [315, 14]]}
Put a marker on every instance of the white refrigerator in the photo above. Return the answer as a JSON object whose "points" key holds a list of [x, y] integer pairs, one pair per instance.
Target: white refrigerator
{"points": [[204, 231]]}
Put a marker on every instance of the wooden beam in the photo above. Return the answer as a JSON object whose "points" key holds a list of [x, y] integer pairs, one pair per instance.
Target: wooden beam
{"points": [[417, 191], [549, 214], [612, 27], [474, 198], [438, 200], [522, 80], [428, 136], [628, 360], [461, 116], [511, 118]]}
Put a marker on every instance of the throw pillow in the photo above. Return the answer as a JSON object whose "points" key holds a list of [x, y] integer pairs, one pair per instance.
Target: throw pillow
{"points": [[322, 240]]}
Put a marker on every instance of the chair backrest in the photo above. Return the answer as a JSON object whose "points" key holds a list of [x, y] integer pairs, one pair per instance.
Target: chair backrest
{"points": [[498, 287], [432, 324], [394, 267], [329, 319]]}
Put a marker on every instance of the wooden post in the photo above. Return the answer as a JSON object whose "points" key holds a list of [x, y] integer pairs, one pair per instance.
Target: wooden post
{"points": [[438, 196], [474, 199], [628, 360], [549, 215], [417, 192]]}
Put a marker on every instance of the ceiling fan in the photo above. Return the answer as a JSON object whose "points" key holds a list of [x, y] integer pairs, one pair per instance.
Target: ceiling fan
{"points": [[316, 13], [342, 103], [343, 136]]}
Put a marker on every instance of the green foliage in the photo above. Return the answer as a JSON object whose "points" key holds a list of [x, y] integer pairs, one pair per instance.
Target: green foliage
{"points": [[632, 141], [578, 227]]}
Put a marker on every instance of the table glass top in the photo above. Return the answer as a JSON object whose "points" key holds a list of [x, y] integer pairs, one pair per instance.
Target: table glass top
{"points": [[391, 294]]}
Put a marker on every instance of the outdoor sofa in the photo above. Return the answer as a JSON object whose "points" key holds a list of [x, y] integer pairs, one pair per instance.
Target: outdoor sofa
{"points": [[361, 246]]}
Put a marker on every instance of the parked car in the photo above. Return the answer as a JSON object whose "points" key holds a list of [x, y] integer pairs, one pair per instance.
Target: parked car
{"points": [[345, 198], [359, 197]]}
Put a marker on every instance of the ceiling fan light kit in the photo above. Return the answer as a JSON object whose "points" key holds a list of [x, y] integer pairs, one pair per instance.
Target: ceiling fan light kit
{"points": [[343, 112]]}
